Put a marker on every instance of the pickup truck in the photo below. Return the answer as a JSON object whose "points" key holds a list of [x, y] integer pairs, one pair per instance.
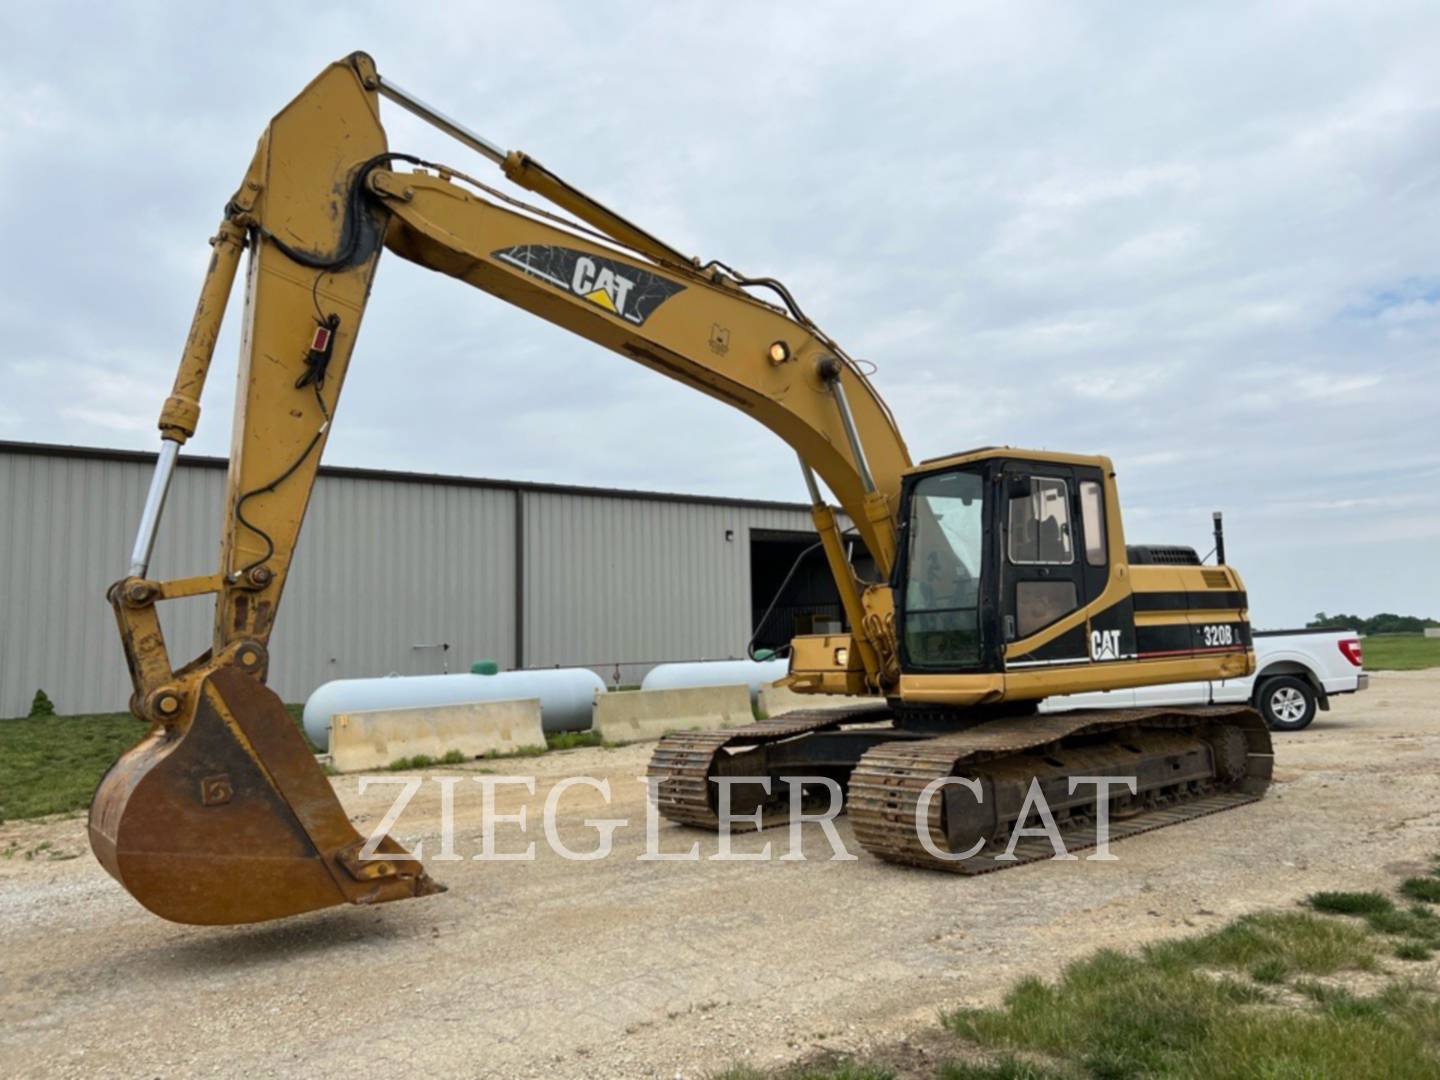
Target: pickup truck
{"points": [[1296, 672]]}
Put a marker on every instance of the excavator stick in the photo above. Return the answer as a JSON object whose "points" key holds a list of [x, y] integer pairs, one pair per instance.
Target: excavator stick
{"points": [[231, 821], [221, 814]]}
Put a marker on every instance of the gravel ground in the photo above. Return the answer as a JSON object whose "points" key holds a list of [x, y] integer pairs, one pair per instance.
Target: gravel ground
{"points": [[630, 968]]}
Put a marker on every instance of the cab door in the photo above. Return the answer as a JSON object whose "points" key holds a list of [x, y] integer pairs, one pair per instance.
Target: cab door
{"points": [[1043, 577], [1112, 627]]}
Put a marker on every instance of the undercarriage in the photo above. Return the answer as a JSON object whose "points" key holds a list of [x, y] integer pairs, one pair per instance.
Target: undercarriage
{"points": [[981, 796]]}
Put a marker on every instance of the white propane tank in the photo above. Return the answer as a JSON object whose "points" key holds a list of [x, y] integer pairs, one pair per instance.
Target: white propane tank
{"points": [[751, 673], [567, 696]]}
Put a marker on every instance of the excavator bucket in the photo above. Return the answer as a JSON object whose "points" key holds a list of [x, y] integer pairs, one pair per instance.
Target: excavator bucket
{"points": [[230, 820]]}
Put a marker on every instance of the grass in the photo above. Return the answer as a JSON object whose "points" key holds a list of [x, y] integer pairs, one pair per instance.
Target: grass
{"points": [[573, 740], [1419, 922], [834, 1069], [1270, 995], [1422, 888], [1351, 903], [519, 751], [46, 849], [558, 740], [1005, 1068], [1412, 950], [1176, 1010], [50, 765], [1401, 652], [425, 761], [1271, 970], [1304, 943]]}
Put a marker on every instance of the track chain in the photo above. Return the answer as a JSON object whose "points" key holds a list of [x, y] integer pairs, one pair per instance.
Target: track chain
{"points": [[684, 761], [886, 785]]}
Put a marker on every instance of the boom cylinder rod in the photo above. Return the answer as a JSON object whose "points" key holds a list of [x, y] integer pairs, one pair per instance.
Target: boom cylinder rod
{"points": [[433, 116], [154, 505], [847, 419], [810, 483], [181, 411], [531, 175]]}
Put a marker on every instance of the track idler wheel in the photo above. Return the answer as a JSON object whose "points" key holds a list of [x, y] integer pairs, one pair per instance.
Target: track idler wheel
{"points": [[230, 820]]}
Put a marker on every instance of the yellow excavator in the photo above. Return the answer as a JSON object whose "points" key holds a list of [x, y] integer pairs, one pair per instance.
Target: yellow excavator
{"points": [[1002, 574]]}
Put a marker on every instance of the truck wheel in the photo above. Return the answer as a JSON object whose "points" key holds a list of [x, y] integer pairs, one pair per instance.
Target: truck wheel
{"points": [[1287, 703]]}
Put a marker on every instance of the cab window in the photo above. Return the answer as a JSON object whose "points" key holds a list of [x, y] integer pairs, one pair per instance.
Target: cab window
{"points": [[1039, 531], [1092, 516], [942, 589], [1040, 603]]}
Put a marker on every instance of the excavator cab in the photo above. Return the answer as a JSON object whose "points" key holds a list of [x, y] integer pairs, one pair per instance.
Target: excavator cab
{"points": [[1012, 582], [1005, 563]]}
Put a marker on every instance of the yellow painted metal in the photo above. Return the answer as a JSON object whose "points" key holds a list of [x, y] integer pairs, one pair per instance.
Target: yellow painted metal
{"points": [[181, 412], [303, 179], [524, 170], [834, 547], [179, 588], [826, 664]]}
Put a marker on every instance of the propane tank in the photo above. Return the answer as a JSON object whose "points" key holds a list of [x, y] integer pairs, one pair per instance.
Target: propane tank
{"points": [[751, 673], [567, 696]]}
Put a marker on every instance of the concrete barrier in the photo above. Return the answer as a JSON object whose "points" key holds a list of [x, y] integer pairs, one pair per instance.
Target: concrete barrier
{"points": [[376, 739], [644, 715], [778, 700]]}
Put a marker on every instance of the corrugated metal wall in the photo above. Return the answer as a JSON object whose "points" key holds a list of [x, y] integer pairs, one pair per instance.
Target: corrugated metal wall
{"points": [[649, 580], [384, 564]]}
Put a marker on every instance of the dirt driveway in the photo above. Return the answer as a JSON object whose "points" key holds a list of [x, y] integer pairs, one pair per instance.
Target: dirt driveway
{"points": [[630, 968]]}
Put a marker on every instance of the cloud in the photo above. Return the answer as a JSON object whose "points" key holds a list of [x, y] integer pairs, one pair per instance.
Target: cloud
{"points": [[1193, 239]]}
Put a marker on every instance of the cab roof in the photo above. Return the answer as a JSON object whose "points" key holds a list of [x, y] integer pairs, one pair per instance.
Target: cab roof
{"points": [[1008, 453]]}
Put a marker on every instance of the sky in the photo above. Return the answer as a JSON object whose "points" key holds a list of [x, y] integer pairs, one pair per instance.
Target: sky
{"points": [[1201, 239]]}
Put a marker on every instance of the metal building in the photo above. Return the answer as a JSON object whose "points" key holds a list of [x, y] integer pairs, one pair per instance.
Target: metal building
{"points": [[392, 568]]}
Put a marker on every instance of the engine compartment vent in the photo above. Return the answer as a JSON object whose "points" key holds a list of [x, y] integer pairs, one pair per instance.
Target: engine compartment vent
{"points": [[1161, 555]]}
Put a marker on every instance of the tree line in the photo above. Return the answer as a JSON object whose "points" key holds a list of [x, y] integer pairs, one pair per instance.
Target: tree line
{"points": [[1384, 623]]}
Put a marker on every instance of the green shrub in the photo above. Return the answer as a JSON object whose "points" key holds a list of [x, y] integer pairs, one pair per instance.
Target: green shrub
{"points": [[41, 705]]}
